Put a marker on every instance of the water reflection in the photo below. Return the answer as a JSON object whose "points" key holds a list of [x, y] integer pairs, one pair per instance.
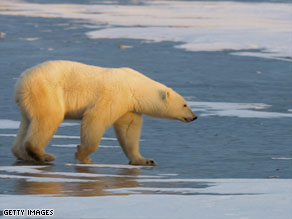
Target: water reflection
{"points": [[90, 186]]}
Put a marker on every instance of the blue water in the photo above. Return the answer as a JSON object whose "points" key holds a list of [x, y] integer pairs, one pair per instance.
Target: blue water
{"points": [[211, 147]]}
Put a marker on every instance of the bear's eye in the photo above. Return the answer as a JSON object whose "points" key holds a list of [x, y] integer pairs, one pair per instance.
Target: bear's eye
{"points": [[185, 105]]}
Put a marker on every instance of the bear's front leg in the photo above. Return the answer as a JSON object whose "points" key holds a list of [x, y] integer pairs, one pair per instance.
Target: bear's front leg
{"points": [[91, 132], [81, 156], [128, 130]]}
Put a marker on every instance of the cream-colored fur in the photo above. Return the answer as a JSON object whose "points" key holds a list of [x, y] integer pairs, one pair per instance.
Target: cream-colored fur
{"points": [[56, 90]]}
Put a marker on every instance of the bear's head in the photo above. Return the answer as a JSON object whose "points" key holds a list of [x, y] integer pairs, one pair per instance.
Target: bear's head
{"points": [[173, 106]]}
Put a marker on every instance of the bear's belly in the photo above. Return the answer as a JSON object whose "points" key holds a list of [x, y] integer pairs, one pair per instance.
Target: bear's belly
{"points": [[75, 114]]}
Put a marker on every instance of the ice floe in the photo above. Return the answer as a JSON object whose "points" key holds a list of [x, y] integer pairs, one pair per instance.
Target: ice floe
{"points": [[227, 198], [23, 169], [9, 124], [281, 158], [194, 25], [241, 110], [146, 198]]}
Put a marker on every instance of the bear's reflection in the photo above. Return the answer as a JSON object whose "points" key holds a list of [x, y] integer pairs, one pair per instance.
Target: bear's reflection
{"points": [[91, 186]]}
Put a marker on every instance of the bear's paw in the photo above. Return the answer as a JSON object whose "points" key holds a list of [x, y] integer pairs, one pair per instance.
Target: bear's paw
{"points": [[143, 162], [48, 157]]}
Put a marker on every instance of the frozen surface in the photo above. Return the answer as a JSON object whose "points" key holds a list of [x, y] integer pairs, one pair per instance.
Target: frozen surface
{"points": [[242, 110], [195, 26], [281, 158], [230, 60], [205, 198], [41, 179], [44, 174], [226, 198], [9, 124], [204, 39]]}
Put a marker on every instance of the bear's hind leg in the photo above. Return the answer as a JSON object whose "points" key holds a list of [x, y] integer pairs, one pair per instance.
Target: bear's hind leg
{"points": [[17, 147], [128, 129], [39, 134]]}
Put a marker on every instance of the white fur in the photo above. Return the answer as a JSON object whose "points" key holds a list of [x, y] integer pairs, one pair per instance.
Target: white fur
{"points": [[56, 90]]}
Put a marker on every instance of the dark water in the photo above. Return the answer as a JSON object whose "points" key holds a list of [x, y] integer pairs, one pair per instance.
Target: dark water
{"points": [[211, 147]]}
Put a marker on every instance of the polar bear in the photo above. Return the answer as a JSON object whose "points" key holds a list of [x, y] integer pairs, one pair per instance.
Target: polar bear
{"points": [[100, 97]]}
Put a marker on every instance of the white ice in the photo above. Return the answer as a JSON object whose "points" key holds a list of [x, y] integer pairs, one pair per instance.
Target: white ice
{"points": [[226, 198], [281, 158], [11, 124], [264, 28], [23, 169], [241, 110], [203, 198], [42, 179], [48, 174], [214, 186]]}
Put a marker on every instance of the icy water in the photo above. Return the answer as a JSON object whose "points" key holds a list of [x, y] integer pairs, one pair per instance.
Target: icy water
{"points": [[235, 74]]}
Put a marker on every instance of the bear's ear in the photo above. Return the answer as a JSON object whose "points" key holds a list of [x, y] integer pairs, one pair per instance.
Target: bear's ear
{"points": [[164, 94], [167, 94]]}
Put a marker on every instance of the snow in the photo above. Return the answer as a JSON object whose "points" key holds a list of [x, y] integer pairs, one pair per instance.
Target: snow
{"points": [[227, 198], [149, 196], [194, 25]]}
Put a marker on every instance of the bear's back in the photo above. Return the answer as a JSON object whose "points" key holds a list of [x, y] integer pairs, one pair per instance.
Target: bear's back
{"points": [[74, 77]]}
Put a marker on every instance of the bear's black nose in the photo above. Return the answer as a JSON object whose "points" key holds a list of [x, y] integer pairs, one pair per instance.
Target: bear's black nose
{"points": [[194, 118]]}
